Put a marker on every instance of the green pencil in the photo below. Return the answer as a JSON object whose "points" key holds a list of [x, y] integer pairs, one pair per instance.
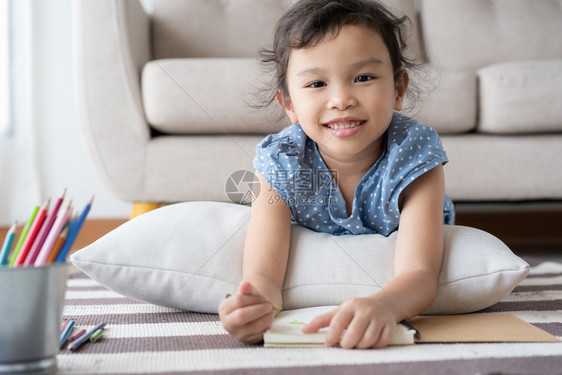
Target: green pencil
{"points": [[23, 235]]}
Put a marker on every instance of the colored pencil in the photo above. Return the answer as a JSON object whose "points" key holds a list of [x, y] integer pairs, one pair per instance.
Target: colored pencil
{"points": [[74, 232], [58, 245], [42, 236], [8, 244], [52, 237], [96, 335], [23, 235], [77, 335], [32, 235], [82, 339], [66, 332], [72, 221]]}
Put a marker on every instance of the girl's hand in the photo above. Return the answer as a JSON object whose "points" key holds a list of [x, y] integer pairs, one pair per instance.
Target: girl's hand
{"points": [[247, 314], [357, 323]]}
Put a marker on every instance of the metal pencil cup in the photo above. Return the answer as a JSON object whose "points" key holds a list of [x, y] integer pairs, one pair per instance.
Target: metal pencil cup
{"points": [[31, 304]]}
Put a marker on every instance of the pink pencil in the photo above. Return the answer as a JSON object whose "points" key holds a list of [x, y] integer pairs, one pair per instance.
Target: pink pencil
{"points": [[45, 229], [52, 237]]}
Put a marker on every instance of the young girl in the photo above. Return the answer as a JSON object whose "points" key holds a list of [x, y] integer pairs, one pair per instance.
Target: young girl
{"points": [[348, 165]]}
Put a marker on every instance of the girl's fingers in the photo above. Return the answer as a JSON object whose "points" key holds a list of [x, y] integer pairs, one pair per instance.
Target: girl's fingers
{"points": [[356, 331], [319, 322], [339, 323], [245, 315], [253, 332], [248, 324], [246, 295], [371, 335], [238, 301], [246, 288], [385, 336]]}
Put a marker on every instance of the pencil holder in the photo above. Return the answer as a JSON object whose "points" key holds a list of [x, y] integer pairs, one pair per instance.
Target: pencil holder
{"points": [[31, 304]]}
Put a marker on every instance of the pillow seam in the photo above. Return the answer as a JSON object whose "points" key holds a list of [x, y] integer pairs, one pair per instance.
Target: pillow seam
{"points": [[150, 268], [484, 275]]}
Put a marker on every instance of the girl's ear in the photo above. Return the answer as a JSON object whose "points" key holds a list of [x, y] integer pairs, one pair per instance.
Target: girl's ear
{"points": [[401, 84], [287, 106]]}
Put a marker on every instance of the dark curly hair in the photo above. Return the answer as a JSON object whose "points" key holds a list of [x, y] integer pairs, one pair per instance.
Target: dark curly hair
{"points": [[309, 22]]}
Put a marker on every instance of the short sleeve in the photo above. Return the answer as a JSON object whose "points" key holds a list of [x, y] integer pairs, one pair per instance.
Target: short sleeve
{"points": [[278, 156], [414, 149], [417, 150]]}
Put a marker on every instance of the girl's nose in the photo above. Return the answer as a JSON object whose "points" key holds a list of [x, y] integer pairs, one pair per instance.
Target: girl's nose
{"points": [[341, 98]]}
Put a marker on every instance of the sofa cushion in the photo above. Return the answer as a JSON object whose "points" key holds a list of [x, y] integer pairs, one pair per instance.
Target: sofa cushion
{"points": [[448, 103], [213, 28], [470, 34], [521, 97], [206, 96], [486, 167], [226, 28], [189, 255]]}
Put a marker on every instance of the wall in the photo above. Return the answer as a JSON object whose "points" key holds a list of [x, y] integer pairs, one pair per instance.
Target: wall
{"points": [[62, 158]]}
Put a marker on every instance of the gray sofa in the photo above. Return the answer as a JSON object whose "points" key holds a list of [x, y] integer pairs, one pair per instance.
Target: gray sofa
{"points": [[163, 97]]}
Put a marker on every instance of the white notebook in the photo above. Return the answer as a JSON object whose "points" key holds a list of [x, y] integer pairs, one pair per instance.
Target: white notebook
{"points": [[286, 329]]}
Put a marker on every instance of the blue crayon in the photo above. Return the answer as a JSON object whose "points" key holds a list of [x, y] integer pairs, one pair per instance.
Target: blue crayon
{"points": [[66, 332]]}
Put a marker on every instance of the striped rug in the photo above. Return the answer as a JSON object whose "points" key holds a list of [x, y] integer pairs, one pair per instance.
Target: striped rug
{"points": [[141, 338]]}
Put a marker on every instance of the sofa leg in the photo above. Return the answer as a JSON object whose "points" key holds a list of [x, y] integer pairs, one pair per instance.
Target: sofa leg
{"points": [[140, 208]]}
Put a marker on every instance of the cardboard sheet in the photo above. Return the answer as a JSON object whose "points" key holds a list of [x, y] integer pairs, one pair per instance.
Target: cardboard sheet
{"points": [[478, 328]]}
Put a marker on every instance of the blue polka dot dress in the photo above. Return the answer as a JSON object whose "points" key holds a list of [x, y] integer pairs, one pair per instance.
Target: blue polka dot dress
{"points": [[291, 164]]}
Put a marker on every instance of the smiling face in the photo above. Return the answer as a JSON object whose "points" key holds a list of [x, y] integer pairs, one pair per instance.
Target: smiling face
{"points": [[343, 92]]}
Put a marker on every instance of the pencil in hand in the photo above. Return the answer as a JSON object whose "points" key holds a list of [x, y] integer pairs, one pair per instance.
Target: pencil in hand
{"points": [[278, 308]]}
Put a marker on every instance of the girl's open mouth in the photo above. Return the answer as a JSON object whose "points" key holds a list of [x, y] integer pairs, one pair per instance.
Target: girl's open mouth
{"points": [[342, 129]]}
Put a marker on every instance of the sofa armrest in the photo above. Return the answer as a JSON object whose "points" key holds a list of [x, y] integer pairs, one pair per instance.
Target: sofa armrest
{"points": [[111, 45]]}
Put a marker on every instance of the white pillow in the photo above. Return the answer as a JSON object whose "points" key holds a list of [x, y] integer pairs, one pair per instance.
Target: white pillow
{"points": [[189, 256], [521, 97]]}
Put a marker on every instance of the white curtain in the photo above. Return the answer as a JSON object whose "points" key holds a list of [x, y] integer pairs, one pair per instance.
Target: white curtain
{"points": [[19, 175]]}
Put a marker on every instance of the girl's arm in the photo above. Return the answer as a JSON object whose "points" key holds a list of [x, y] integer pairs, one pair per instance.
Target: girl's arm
{"points": [[249, 313], [266, 250], [419, 247], [370, 321]]}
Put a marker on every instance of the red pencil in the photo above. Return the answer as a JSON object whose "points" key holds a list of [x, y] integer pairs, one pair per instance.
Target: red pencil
{"points": [[77, 335], [53, 235], [42, 236], [32, 235]]}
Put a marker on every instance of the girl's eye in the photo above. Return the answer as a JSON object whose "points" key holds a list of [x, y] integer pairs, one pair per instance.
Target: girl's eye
{"points": [[317, 84], [364, 78]]}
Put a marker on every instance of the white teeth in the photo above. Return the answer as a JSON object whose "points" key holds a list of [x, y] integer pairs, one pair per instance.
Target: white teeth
{"points": [[337, 126]]}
